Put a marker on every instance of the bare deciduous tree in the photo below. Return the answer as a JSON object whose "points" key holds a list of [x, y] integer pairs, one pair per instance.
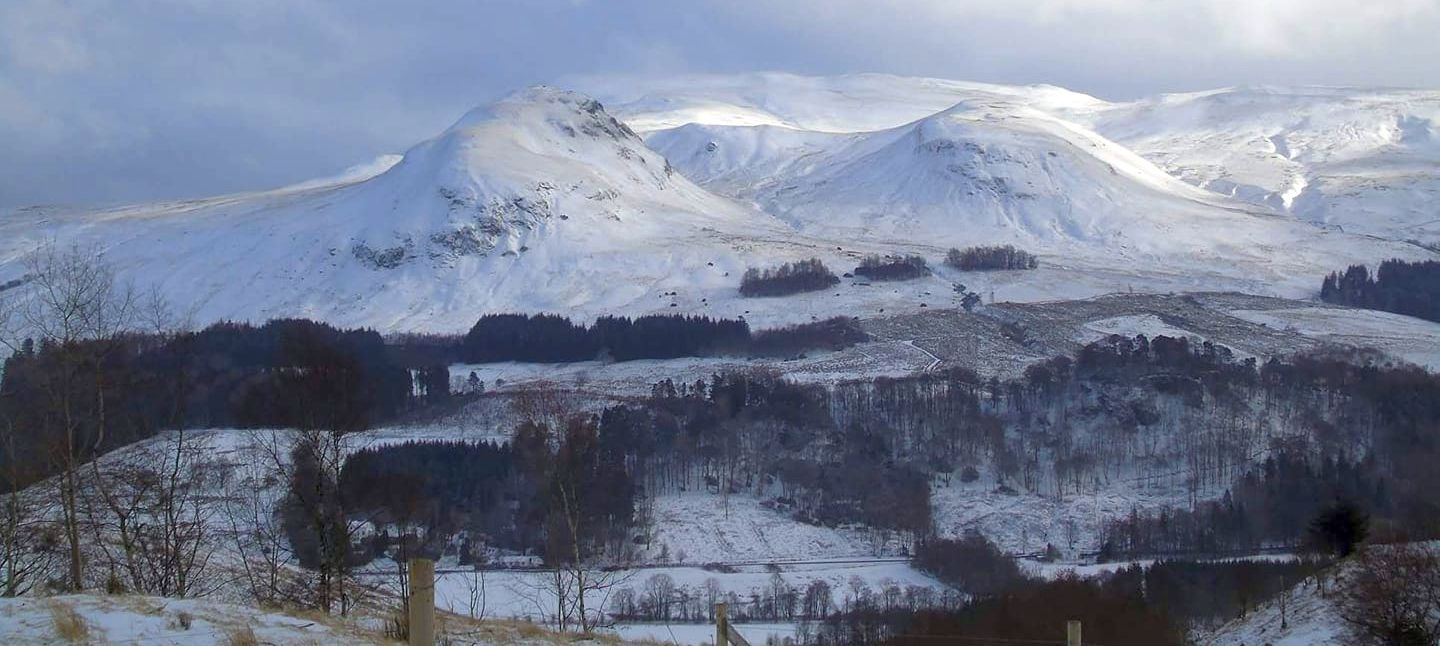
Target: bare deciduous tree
{"points": [[1393, 595], [73, 304], [152, 524], [26, 535], [251, 506]]}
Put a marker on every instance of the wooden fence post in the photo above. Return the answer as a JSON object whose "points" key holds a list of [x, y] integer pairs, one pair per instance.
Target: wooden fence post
{"points": [[422, 602], [1072, 632], [722, 628]]}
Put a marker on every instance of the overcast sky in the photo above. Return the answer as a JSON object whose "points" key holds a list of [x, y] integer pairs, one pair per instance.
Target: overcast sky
{"points": [[105, 101]]}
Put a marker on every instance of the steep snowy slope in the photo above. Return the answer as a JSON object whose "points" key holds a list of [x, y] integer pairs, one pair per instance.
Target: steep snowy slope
{"points": [[1000, 170], [541, 201], [1366, 160]]}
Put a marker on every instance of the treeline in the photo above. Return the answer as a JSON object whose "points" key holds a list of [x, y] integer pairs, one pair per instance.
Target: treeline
{"points": [[1158, 603], [554, 493], [1409, 288], [549, 338], [835, 333], [1271, 505], [875, 267], [789, 278], [990, 258], [1033, 612], [226, 375], [1210, 593], [661, 598]]}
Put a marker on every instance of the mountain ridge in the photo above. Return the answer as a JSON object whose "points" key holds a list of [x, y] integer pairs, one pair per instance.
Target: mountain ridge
{"points": [[548, 201]]}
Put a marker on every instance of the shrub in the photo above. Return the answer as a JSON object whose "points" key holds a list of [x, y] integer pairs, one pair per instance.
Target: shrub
{"points": [[789, 278], [875, 267], [990, 258], [242, 636], [69, 625]]}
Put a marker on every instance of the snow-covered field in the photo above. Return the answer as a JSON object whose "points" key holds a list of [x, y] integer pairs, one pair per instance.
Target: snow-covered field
{"points": [[125, 619], [1412, 339], [522, 594]]}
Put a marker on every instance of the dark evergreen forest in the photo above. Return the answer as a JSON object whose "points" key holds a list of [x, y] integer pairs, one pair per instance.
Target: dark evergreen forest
{"points": [[1410, 288]]}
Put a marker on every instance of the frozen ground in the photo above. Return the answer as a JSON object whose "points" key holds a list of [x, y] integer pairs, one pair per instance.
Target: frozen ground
{"points": [[1025, 524], [913, 340], [1255, 326], [1412, 339], [125, 619], [728, 529], [523, 595], [1308, 619]]}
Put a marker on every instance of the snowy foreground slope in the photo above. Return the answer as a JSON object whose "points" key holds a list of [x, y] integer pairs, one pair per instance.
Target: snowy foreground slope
{"points": [[133, 619], [545, 202]]}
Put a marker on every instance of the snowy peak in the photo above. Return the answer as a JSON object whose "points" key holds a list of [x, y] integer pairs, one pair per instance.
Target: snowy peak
{"points": [[541, 201], [992, 169], [541, 121], [510, 173]]}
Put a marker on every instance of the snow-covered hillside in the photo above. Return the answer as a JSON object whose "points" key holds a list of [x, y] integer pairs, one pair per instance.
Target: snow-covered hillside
{"points": [[540, 201], [125, 619], [1365, 160], [545, 202]]}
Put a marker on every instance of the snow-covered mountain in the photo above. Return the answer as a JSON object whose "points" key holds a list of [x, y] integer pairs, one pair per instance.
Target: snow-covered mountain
{"points": [[540, 201], [544, 201], [951, 163], [1365, 160]]}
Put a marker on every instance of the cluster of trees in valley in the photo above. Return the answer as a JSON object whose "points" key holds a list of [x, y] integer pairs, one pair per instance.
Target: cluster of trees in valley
{"points": [[1410, 288], [550, 338], [991, 258], [876, 267], [790, 278], [1156, 603]]}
